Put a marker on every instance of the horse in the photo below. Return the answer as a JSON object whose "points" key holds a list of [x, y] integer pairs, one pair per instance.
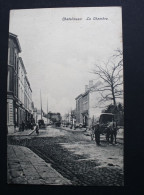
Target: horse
{"points": [[111, 133]]}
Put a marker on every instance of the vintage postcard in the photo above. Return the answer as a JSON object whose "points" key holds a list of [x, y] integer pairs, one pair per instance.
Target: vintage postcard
{"points": [[65, 104]]}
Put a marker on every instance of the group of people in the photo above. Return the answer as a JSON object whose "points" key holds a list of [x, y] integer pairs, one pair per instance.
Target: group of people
{"points": [[26, 125], [29, 125]]}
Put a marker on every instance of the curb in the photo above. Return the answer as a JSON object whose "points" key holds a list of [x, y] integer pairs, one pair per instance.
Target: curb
{"points": [[14, 134], [31, 132]]}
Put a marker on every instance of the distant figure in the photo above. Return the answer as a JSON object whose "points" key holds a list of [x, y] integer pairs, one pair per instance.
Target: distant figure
{"points": [[97, 133], [37, 129], [23, 125], [31, 126], [26, 125]]}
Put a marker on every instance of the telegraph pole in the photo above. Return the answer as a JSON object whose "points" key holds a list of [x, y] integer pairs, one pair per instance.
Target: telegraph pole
{"points": [[41, 104], [47, 111]]}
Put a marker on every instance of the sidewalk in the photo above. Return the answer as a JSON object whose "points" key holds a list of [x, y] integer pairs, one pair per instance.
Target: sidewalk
{"points": [[25, 167], [25, 132]]}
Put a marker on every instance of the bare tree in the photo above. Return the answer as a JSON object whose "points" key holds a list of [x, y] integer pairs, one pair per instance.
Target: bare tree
{"points": [[110, 78]]}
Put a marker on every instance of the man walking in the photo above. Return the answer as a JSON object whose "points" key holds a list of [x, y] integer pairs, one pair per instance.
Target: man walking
{"points": [[37, 129], [23, 125]]}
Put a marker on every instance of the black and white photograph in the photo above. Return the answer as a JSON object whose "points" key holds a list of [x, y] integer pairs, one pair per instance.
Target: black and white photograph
{"points": [[65, 97]]}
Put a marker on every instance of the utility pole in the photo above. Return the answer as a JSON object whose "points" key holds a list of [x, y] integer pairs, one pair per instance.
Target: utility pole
{"points": [[47, 111], [41, 104]]}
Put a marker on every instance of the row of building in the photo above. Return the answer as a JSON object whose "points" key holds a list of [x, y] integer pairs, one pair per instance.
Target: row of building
{"points": [[20, 106]]}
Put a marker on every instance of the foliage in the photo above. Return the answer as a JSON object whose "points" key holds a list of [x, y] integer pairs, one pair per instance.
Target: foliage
{"points": [[118, 111]]}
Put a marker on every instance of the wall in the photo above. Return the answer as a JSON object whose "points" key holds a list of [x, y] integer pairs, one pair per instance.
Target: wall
{"points": [[79, 110], [12, 84], [10, 114], [94, 111]]}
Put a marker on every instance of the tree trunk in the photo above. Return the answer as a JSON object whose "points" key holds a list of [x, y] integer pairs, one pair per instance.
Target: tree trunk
{"points": [[113, 96]]}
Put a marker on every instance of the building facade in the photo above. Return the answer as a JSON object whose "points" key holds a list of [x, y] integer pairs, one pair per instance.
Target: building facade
{"points": [[21, 73], [19, 93], [27, 100], [85, 107], [79, 109], [12, 82], [86, 110]]}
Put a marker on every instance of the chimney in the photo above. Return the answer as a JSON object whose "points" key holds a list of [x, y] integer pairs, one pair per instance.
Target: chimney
{"points": [[86, 87], [90, 83]]}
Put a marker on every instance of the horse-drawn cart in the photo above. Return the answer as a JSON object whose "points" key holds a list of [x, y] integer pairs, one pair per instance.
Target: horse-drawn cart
{"points": [[41, 124], [105, 126]]}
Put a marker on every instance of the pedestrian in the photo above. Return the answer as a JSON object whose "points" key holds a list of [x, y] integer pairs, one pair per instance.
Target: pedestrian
{"points": [[23, 125], [97, 134], [31, 126], [37, 129], [26, 125]]}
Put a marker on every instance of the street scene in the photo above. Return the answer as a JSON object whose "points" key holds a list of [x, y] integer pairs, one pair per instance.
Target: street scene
{"points": [[73, 154], [65, 109]]}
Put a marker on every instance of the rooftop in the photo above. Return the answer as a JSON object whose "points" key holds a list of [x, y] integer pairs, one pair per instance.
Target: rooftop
{"points": [[13, 36]]}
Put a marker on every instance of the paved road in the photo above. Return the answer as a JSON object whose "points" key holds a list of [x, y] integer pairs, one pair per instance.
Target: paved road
{"points": [[76, 157]]}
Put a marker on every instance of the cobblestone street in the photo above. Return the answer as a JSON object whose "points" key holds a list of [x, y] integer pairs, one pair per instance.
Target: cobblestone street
{"points": [[76, 157]]}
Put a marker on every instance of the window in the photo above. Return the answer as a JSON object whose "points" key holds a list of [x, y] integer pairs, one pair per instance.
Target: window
{"points": [[9, 55], [21, 95], [15, 61], [16, 116], [8, 81], [19, 91], [7, 112], [17, 65], [16, 87]]}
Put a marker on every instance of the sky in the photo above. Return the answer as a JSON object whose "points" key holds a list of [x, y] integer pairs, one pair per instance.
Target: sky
{"points": [[60, 54]]}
